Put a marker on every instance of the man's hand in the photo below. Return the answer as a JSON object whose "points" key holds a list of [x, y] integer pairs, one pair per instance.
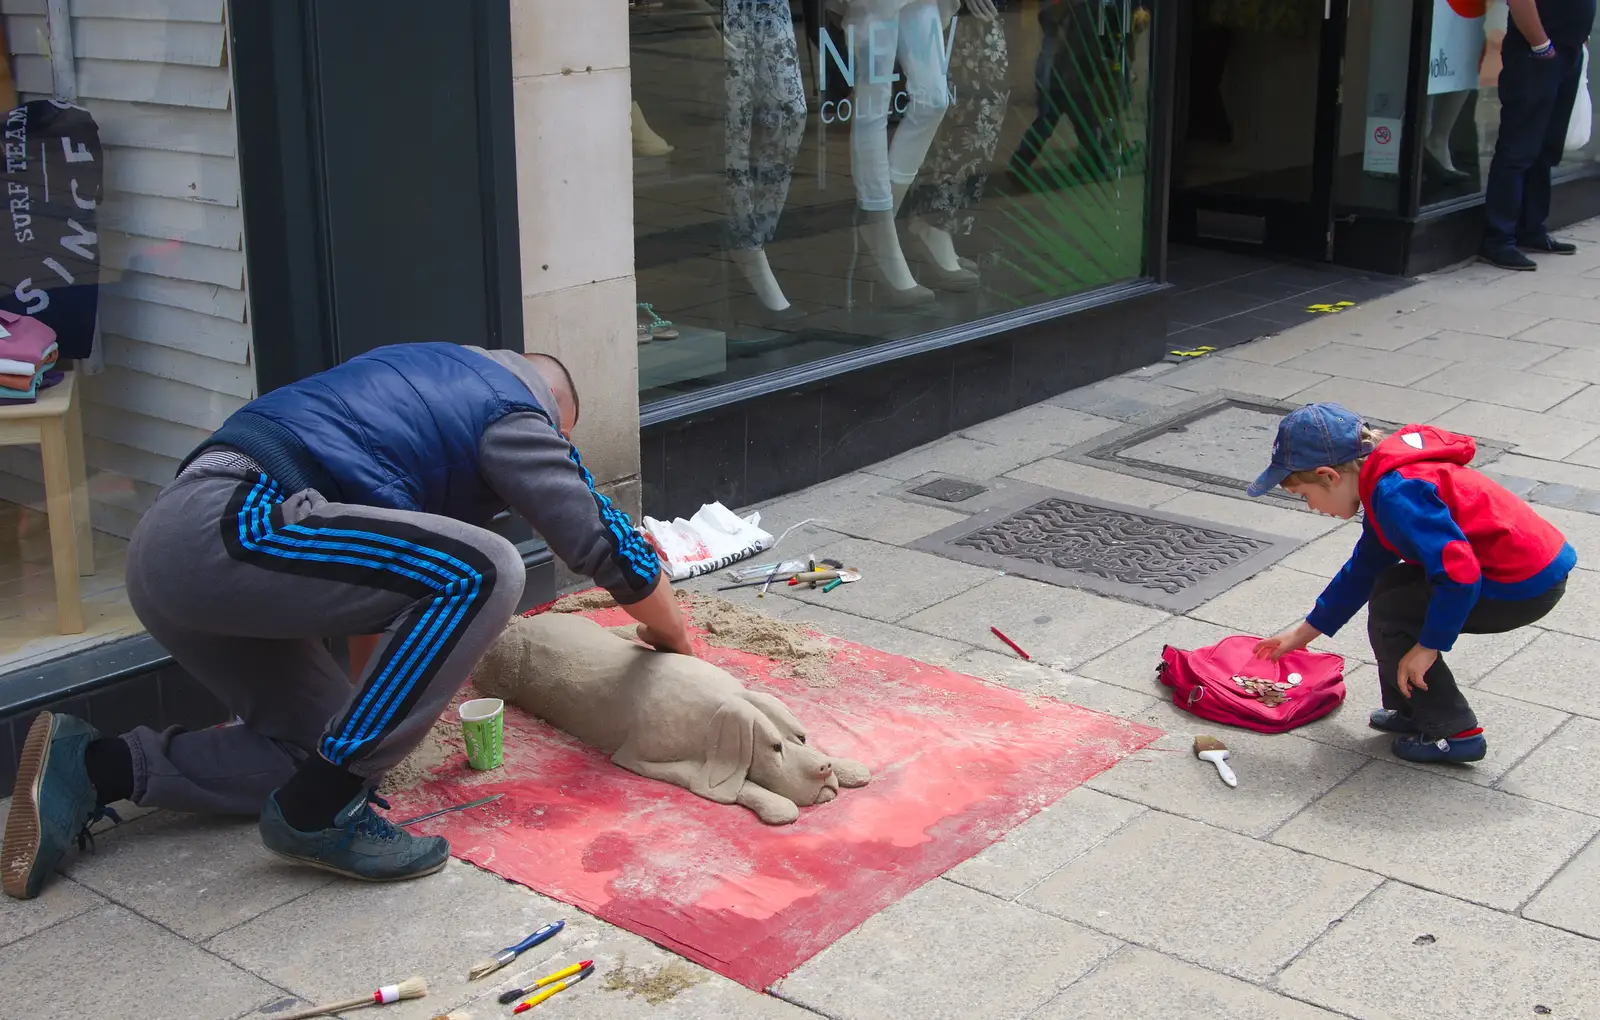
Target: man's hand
{"points": [[661, 624], [1414, 666], [1292, 640]]}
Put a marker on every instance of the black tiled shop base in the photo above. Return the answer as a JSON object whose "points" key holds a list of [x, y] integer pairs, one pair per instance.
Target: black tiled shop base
{"points": [[1223, 299], [771, 445]]}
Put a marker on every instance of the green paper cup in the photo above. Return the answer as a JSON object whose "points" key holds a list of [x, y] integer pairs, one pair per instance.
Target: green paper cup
{"points": [[483, 723]]}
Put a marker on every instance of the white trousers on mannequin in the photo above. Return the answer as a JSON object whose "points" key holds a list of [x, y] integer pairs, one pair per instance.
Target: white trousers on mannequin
{"points": [[884, 30]]}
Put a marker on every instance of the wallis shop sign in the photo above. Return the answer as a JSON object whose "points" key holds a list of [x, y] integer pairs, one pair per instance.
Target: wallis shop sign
{"points": [[1457, 45]]}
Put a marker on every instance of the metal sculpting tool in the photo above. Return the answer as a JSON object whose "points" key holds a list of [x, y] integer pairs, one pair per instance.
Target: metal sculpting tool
{"points": [[459, 807]]}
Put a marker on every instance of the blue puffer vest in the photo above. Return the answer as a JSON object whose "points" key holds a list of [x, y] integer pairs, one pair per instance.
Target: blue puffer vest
{"points": [[398, 427]]}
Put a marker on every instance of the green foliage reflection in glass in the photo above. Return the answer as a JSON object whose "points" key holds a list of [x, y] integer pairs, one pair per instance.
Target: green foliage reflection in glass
{"points": [[1082, 221]]}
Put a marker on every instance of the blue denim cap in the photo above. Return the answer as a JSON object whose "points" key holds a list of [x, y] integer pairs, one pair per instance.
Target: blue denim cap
{"points": [[1313, 436]]}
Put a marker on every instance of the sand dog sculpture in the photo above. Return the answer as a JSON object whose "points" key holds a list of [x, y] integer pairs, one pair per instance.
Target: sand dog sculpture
{"points": [[669, 717]]}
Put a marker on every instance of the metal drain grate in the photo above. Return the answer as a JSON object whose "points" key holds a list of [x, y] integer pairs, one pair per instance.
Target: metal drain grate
{"points": [[949, 490], [1164, 560]]}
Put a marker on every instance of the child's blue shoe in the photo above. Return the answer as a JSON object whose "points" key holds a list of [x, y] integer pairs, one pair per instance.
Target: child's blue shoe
{"points": [[1391, 721], [1445, 750]]}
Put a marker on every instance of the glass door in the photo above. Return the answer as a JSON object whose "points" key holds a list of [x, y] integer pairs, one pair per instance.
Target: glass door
{"points": [[1257, 132]]}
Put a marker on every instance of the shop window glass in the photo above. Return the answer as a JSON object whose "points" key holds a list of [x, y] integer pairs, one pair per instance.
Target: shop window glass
{"points": [[1461, 116], [125, 237], [818, 177]]}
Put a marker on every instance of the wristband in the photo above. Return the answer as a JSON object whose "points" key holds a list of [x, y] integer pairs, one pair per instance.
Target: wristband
{"points": [[1540, 51]]}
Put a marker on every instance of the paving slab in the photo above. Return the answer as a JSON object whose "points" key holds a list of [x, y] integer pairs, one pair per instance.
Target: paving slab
{"points": [[1582, 531], [61, 899], [946, 952], [1275, 350], [1069, 476], [1530, 433], [1562, 333], [857, 505], [1555, 670], [109, 962], [1503, 386], [1442, 834], [1582, 406], [955, 455], [1006, 669], [1367, 327], [1279, 774], [193, 874], [1050, 840], [1133, 663], [1139, 983], [1219, 438], [1555, 471], [1487, 322], [1572, 899], [352, 935], [1582, 364], [1202, 894], [1378, 400], [895, 583], [1122, 397], [1487, 350], [1325, 556], [1514, 728], [885, 637], [1564, 770], [1061, 626], [1578, 612], [1210, 374], [1558, 306], [1349, 361], [1243, 512], [1418, 955], [1267, 603], [1589, 455], [1040, 429]]}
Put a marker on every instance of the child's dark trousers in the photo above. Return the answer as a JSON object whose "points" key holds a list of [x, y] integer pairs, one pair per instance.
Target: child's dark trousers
{"points": [[1394, 619]]}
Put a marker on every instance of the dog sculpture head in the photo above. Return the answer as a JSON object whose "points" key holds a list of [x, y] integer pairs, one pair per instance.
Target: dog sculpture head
{"points": [[757, 739]]}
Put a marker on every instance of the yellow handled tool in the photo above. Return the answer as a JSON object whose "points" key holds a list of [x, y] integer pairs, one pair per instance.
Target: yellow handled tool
{"points": [[561, 986]]}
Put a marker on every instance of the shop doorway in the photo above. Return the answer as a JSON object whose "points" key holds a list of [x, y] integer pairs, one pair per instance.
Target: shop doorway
{"points": [[1256, 133]]}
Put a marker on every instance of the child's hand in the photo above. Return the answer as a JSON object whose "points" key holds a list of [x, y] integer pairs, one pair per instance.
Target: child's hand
{"points": [[1414, 665], [1292, 640]]}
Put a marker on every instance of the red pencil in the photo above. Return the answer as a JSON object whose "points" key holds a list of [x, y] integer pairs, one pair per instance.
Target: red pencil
{"points": [[1013, 645]]}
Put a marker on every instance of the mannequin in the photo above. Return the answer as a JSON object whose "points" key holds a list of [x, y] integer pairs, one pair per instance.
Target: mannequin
{"points": [[765, 122], [885, 171], [645, 141], [957, 169], [1444, 110]]}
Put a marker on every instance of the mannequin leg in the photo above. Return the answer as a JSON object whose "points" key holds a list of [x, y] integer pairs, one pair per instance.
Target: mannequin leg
{"points": [[1443, 112], [765, 123], [645, 141]]}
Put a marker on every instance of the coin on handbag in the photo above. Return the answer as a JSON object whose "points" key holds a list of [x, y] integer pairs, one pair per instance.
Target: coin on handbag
{"points": [[1294, 679]]}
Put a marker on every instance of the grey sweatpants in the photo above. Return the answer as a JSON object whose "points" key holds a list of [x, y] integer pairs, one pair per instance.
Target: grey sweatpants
{"points": [[240, 582]]}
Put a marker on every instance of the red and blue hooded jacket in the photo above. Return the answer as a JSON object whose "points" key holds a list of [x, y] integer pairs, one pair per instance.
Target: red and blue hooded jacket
{"points": [[1475, 538]]}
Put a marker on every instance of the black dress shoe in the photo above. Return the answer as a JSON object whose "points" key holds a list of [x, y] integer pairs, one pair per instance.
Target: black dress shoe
{"points": [[1507, 258], [1547, 245]]}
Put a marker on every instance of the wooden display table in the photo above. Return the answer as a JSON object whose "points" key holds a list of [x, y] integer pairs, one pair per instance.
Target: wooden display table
{"points": [[55, 423]]}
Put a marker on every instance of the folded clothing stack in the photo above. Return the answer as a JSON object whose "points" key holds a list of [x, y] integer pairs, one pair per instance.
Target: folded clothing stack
{"points": [[28, 356]]}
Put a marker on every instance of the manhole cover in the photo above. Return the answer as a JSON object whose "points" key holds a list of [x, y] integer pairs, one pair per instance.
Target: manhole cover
{"points": [[1232, 442], [1163, 560], [949, 490]]}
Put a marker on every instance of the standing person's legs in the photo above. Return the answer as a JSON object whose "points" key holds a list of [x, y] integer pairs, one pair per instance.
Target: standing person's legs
{"points": [[1528, 89], [1049, 103], [1536, 185]]}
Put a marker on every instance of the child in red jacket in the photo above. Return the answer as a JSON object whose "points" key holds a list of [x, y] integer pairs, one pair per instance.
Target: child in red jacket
{"points": [[1443, 551]]}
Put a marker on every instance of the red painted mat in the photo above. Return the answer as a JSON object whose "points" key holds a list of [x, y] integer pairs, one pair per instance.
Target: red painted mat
{"points": [[956, 763]]}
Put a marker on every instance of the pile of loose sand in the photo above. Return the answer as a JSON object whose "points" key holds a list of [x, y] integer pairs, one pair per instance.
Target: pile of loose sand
{"points": [[805, 655], [443, 742], [655, 985]]}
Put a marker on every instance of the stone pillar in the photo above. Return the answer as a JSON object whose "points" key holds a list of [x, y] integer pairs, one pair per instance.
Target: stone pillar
{"points": [[569, 67]]}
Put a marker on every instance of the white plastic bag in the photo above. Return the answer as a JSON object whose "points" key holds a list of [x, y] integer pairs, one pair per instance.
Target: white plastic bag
{"points": [[1582, 111], [713, 538]]}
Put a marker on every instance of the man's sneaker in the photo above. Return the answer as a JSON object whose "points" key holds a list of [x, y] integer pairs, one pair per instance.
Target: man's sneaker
{"points": [[1547, 245], [1451, 750], [52, 805], [1507, 258], [1391, 721], [362, 843]]}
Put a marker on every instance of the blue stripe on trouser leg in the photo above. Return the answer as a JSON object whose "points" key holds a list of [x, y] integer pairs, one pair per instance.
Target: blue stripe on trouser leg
{"points": [[458, 589]]}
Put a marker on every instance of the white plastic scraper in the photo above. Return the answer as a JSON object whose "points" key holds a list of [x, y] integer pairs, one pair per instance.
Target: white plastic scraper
{"points": [[1216, 752]]}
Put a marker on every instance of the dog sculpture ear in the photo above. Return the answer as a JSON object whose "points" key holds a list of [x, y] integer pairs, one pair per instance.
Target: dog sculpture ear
{"points": [[778, 713], [730, 745]]}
